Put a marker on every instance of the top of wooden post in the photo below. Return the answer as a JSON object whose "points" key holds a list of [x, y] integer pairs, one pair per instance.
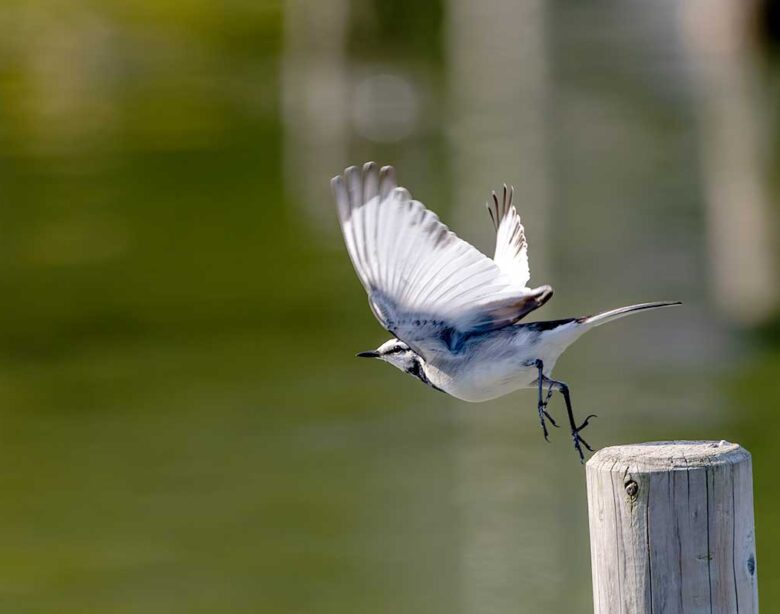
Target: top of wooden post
{"points": [[669, 455]]}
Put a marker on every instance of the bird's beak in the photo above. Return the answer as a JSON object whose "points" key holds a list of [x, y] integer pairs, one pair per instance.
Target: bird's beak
{"points": [[369, 354]]}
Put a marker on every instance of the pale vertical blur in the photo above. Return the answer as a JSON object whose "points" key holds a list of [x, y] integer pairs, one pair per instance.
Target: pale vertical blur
{"points": [[497, 70], [735, 114], [316, 99], [497, 77]]}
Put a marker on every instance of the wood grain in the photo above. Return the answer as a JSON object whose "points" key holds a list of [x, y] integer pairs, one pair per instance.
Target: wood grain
{"points": [[671, 529]]}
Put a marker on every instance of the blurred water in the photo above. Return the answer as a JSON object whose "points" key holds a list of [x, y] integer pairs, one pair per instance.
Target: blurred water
{"points": [[182, 423]]}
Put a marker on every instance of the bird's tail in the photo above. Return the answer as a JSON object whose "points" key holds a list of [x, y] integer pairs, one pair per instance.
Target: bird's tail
{"points": [[620, 312]]}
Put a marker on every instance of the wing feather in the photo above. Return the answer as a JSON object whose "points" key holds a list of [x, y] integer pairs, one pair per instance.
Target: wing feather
{"points": [[511, 253], [425, 285]]}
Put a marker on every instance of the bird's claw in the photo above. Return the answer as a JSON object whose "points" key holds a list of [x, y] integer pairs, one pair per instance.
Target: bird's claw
{"points": [[542, 415], [542, 407], [579, 441], [550, 418]]}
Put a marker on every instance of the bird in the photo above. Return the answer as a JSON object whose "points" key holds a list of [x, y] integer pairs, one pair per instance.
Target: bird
{"points": [[453, 312]]}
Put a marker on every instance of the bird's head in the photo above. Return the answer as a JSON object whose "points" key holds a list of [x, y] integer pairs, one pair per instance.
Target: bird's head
{"points": [[395, 352], [402, 357]]}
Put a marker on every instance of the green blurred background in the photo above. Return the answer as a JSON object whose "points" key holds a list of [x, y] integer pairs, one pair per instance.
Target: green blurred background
{"points": [[183, 427]]}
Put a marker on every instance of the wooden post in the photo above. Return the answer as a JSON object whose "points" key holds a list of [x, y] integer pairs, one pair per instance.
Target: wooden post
{"points": [[671, 529]]}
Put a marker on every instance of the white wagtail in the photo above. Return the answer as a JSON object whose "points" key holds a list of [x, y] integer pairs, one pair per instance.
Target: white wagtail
{"points": [[453, 312]]}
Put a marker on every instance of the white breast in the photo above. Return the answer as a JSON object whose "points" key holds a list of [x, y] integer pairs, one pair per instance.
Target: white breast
{"points": [[485, 371]]}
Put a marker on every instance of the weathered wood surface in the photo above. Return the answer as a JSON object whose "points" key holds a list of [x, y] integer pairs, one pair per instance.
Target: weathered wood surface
{"points": [[671, 529]]}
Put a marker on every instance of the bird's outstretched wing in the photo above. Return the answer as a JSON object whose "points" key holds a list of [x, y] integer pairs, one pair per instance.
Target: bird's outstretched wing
{"points": [[511, 247], [425, 285]]}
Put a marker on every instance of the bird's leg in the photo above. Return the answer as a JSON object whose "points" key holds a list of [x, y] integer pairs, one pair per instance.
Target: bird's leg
{"points": [[575, 430], [549, 396], [542, 407]]}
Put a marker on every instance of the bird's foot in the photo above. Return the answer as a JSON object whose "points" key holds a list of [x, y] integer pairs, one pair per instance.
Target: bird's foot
{"points": [[579, 441], [542, 407], [543, 417]]}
